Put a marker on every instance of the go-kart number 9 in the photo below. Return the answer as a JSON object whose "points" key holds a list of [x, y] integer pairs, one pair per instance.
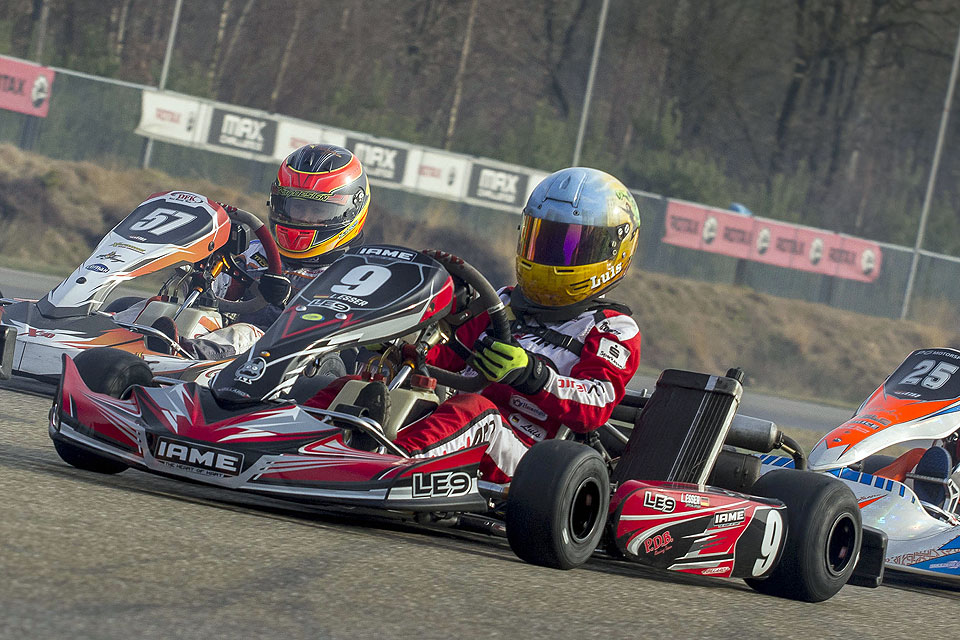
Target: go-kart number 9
{"points": [[162, 221], [362, 281], [770, 543], [940, 375]]}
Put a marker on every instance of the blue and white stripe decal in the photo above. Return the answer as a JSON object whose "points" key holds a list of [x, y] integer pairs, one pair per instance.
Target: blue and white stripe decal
{"points": [[850, 475]]}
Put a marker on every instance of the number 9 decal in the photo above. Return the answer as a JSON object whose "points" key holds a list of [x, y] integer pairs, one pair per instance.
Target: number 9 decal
{"points": [[362, 281], [770, 545]]}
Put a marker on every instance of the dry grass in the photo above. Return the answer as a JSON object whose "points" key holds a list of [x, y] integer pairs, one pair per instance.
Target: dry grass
{"points": [[54, 212]]}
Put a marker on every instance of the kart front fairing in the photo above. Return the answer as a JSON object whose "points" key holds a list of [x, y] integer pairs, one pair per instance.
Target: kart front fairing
{"points": [[278, 449], [168, 228], [919, 403]]}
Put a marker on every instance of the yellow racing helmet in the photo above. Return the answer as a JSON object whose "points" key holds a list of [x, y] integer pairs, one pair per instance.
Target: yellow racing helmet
{"points": [[579, 233]]}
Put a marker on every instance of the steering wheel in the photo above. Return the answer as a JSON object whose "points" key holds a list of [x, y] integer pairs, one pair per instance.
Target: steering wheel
{"points": [[274, 266], [485, 300]]}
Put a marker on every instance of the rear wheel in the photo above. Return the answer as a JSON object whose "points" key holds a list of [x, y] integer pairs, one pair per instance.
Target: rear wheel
{"points": [[111, 372], [557, 504], [823, 535]]}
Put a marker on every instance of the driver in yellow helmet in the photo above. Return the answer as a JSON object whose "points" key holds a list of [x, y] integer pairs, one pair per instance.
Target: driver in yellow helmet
{"points": [[573, 351]]}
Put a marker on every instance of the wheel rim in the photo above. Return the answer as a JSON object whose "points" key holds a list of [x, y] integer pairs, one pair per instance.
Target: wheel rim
{"points": [[584, 511], [840, 544]]}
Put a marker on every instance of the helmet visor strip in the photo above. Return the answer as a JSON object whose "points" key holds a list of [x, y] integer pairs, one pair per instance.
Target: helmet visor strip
{"points": [[335, 207], [561, 244]]}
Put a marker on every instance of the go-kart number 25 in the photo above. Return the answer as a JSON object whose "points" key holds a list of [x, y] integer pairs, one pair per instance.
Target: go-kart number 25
{"points": [[772, 535], [362, 281], [163, 221], [931, 374]]}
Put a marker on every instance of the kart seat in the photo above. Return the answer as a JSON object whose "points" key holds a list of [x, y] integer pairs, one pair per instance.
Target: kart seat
{"points": [[679, 432], [932, 475], [899, 468]]}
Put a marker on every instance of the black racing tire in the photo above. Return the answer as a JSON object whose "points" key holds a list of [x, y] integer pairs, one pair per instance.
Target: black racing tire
{"points": [[120, 304], [557, 504], [112, 372], [87, 460], [823, 531], [872, 464]]}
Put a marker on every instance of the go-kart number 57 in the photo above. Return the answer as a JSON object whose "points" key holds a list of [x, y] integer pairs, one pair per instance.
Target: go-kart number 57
{"points": [[362, 281], [770, 543], [163, 221], [936, 379]]}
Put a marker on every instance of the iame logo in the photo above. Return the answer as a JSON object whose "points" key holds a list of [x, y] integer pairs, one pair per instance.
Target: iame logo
{"points": [[213, 461], [387, 252]]}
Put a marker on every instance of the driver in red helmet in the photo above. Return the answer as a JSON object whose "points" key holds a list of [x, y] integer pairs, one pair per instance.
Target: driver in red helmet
{"points": [[318, 206], [572, 351]]}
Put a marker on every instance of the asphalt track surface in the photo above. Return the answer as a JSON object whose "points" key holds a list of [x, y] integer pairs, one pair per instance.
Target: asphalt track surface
{"points": [[90, 556]]}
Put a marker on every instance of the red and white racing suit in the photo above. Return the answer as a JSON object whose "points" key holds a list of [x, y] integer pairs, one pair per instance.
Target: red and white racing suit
{"points": [[580, 392]]}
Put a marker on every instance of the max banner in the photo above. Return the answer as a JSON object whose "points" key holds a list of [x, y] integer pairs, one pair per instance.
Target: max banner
{"points": [[770, 242]]}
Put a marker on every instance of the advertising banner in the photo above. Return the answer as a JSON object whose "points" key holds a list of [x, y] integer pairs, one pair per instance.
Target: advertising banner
{"points": [[380, 160], [293, 135], [778, 243], [169, 117], [242, 132], [25, 87], [495, 184], [441, 173]]}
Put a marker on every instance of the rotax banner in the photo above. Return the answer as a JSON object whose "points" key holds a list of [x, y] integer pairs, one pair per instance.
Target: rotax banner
{"points": [[25, 87], [770, 242]]}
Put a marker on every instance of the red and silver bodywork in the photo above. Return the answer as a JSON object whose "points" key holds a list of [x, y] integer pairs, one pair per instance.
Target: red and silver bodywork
{"points": [[278, 449], [696, 529]]}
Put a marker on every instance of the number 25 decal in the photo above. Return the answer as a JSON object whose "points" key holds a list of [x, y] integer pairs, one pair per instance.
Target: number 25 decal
{"points": [[770, 544], [939, 376]]}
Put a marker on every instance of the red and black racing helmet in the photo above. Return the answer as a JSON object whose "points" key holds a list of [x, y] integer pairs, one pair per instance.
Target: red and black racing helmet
{"points": [[318, 203]]}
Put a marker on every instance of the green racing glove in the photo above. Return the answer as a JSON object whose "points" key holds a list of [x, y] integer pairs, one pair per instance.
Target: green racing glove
{"points": [[509, 363]]}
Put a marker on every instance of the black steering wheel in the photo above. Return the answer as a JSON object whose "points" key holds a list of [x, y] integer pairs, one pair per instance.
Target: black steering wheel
{"points": [[274, 265], [486, 299]]}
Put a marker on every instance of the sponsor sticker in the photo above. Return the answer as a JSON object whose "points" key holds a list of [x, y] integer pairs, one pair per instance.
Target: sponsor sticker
{"points": [[113, 256], [729, 518], [313, 317], [522, 404], [99, 268], [718, 571], [658, 544], [659, 502], [613, 352], [386, 252], [251, 370], [197, 458], [695, 500], [130, 247], [521, 423], [443, 484]]}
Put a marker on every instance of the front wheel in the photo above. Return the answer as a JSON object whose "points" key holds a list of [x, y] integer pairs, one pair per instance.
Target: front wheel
{"points": [[823, 535], [111, 372], [557, 504]]}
